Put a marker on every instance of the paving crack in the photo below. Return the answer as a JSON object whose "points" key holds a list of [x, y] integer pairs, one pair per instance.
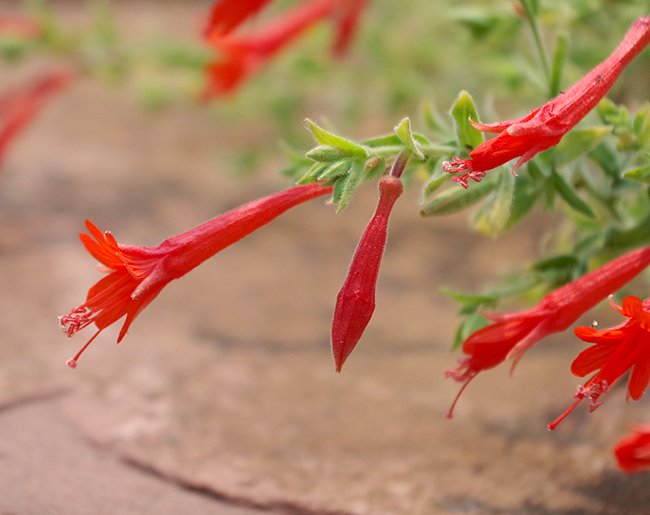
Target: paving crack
{"points": [[275, 506], [44, 395]]}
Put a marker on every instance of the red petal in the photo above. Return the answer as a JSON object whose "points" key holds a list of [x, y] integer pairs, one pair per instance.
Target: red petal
{"points": [[592, 359], [640, 375]]}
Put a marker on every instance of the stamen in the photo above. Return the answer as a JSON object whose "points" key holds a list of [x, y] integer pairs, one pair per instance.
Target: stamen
{"points": [[74, 321], [72, 362], [450, 413], [456, 165]]}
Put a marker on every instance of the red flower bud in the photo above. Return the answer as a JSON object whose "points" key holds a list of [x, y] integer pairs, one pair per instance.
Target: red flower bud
{"points": [[356, 299]]}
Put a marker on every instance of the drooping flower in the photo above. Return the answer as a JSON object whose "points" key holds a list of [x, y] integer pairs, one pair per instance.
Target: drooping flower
{"points": [[545, 126], [136, 275], [512, 334], [355, 302], [616, 350], [227, 15], [241, 55], [633, 451], [20, 104]]}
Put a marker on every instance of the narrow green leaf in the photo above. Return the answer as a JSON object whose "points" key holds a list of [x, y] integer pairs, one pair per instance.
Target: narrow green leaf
{"points": [[386, 140], [404, 133], [432, 119], [641, 125], [525, 196], [334, 170], [557, 66], [639, 174], [437, 179], [461, 112], [324, 137], [492, 217], [579, 142], [312, 173], [327, 153], [456, 199], [570, 196], [555, 262], [471, 324], [607, 159], [350, 184], [535, 172]]}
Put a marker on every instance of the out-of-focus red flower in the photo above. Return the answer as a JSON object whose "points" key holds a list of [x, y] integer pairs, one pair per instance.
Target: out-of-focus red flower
{"points": [[20, 104], [20, 26], [616, 350], [348, 20], [136, 275], [227, 15], [545, 126], [240, 55], [512, 334], [355, 303], [633, 451]]}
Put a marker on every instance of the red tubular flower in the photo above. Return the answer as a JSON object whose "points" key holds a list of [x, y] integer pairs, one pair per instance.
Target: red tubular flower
{"points": [[512, 334], [227, 15], [347, 25], [242, 55], [633, 451], [545, 126], [20, 26], [616, 350], [18, 106], [356, 299], [136, 275]]}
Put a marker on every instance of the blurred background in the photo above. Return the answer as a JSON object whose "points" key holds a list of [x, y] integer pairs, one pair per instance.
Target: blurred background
{"points": [[223, 397]]}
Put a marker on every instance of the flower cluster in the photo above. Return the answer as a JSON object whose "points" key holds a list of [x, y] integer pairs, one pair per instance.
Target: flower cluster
{"points": [[240, 55]]}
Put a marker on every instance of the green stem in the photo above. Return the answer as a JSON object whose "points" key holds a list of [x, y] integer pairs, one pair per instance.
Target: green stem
{"points": [[534, 26]]}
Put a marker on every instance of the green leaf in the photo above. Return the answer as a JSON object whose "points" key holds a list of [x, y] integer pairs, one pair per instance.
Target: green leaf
{"points": [[437, 179], [556, 262], [327, 153], [525, 196], [350, 184], [334, 171], [557, 65], [312, 173], [570, 196], [456, 199], [324, 137], [492, 217], [579, 142], [639, 174], [461, 112], [404, 133], [387, 140], [641, 125], [470, 325], [433, 120], [607, 159], [471, 301]]}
